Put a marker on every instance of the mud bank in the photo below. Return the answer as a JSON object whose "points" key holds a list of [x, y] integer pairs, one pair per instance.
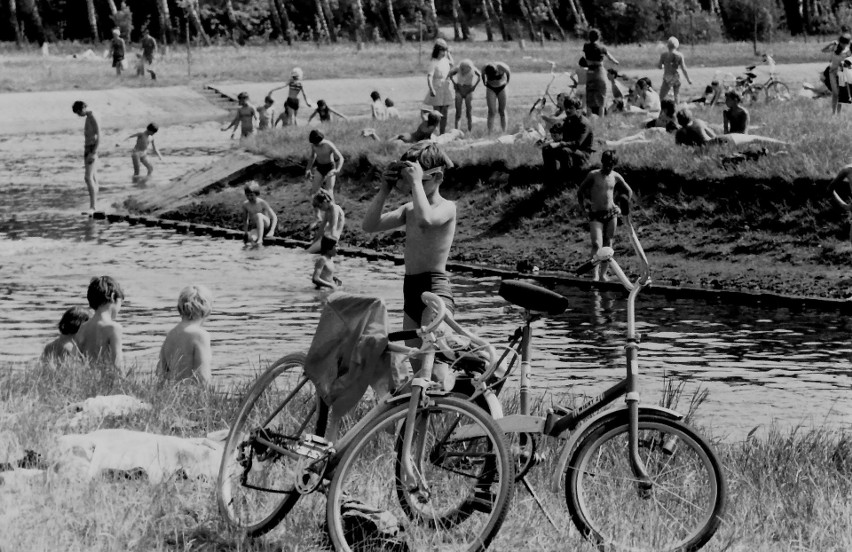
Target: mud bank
{"points": [[736, 234]]}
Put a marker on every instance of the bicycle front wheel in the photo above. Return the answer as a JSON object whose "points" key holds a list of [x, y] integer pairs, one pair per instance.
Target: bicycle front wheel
{"points": [[777, 91], [462, 493], [257, 484], [680, 512]]}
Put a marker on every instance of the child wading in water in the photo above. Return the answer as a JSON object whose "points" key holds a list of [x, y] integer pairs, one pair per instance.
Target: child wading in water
{"points": [[467, 78], [186, 353], [330, 229], [139, 155], [328, 161], [735, 118], [64, 346], [259, 218], [671, 62], [600, 186], [291, 104]]}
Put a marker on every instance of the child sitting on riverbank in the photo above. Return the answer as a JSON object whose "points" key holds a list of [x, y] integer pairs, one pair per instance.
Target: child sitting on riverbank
{"points": [[139, 155], [64, 346], [596, 195], [186, 352], [330, 229], [258, 217], [99, 338]]}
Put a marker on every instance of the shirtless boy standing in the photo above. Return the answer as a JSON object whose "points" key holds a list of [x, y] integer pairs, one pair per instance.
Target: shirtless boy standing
{"points": [[258, 215], [64, 346], [330, 229], [430, 224], [92, 138], [328, 161], [140, 150], [186, 353], [266, 114], [246, 117], [99, 338], [600, 187]]}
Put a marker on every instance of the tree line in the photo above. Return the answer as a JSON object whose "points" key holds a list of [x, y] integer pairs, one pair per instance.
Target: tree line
{"points": [[620, 21]]}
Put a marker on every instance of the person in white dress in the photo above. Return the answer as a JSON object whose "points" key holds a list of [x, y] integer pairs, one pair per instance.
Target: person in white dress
{"points": [[441, 93]]}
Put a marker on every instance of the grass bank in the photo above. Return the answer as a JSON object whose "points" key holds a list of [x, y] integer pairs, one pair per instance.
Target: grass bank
{"points": [[758, 225], [788, 489], [26, 70]]}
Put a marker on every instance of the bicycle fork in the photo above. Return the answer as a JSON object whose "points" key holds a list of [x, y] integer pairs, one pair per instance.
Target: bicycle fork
{"points": [[412, 480], [632, 400]]}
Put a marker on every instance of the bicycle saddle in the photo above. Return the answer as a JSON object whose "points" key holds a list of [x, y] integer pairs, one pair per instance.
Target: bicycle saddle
{"points": [[532, 297], [751, 67], [751, 75]]}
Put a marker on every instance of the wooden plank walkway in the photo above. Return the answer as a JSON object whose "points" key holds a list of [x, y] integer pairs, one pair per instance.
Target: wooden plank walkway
{"points": [[181, 190]]}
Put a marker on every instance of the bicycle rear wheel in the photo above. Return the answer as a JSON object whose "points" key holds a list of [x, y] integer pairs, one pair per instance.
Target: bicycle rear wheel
{"points": [[257, 485], [468, 481], [777, 91], [682, 510]]}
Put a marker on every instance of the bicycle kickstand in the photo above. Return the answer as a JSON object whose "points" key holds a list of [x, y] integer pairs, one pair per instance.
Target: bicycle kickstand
{"points": [[538, 501]]}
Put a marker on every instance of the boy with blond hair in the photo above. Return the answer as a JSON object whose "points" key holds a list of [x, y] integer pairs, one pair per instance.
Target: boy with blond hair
{"points": [[597, 196], [64, 346], [99, 338], [258, 217], [186, 353]]}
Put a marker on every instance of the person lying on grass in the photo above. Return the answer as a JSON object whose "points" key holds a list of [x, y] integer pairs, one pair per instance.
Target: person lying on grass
{"points": [[429, 221], [666, 118], [735, 118], [692, 131], [99, 338], [258, 217], [596, 196], [64, 347], [186, 353], [424, 131]]}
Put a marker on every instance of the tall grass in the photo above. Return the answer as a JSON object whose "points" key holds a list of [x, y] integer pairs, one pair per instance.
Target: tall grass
{"points": [[27, 70], [789, 489]]}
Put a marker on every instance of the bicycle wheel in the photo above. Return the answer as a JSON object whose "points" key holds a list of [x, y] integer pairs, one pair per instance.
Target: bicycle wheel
{"points": [[777, 91], [468, 481], [680, 512], [257, 484]]}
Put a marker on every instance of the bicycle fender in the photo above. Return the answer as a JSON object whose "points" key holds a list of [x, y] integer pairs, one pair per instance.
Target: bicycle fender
{"points": [[605, 416]]}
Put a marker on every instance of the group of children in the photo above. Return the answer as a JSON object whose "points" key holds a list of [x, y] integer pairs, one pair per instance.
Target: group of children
{"points": [[97, 337]]}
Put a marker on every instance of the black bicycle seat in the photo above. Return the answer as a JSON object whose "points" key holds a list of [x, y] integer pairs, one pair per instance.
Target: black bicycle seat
{"points": [[532, 297], [751, 67], [751, 75]]}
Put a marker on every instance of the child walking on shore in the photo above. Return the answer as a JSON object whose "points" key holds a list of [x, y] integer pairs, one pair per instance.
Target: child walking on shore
{"points": [[596, 194], [139, 155], [671, 62], [186, 353], [99, 338], [291, 104]]}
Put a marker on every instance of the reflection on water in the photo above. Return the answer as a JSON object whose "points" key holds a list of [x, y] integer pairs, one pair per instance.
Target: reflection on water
{"points": [[759, 365]]}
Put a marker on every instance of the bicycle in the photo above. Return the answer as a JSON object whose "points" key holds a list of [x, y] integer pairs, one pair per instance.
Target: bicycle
{"points": [[635, 477], [773, 89], [447, 494]]}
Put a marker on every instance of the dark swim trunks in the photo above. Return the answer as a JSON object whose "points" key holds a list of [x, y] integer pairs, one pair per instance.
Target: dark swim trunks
{"points": [[324, 168], [328, 247], [415, 284], [605, 215], [90, 150], [292, 103], [496, 89]]}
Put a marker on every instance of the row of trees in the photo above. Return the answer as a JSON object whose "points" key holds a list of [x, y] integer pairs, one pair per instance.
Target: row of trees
{"points": [[619, 20]]}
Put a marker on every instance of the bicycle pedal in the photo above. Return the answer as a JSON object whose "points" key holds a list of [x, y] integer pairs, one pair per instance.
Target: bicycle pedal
{"points": [[314, 447]]}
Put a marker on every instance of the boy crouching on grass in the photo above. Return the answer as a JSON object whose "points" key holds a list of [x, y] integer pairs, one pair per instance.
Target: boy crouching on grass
{"points": [[430, 224], [186, 353], [64, 346], [259, 219], [596, 195], [99, 338]]}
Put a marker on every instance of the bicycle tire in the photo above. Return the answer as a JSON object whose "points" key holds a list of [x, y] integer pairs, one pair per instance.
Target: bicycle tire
{"points": [[447, 518], [777, 91], [287, 401], [622, 518]]}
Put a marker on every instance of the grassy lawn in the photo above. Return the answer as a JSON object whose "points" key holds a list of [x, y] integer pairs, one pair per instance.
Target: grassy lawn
{"points": [[25, 70], [788, 489]]}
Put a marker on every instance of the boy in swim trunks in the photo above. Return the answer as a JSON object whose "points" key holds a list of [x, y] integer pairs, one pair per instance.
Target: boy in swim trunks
{"points": [[266, 114], [185, 353], [64, 346], [467, 78], [91, 140], [245, 118], [117, 49], [330, 229], [99, 338], [670, 63], [258, 215], [328, 161], [291, 104], [596, 195], [139, 155], [430, 225]]}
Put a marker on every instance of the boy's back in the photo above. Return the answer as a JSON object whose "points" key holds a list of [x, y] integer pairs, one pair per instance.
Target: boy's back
{"points": [[60, 348], [97, 339], [185, 353]]}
